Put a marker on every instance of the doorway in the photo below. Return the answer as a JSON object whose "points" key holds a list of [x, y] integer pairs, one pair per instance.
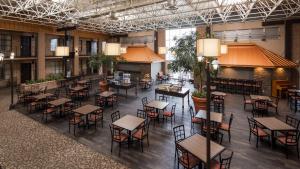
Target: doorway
{"points": [[26, 46], [25, 72]]}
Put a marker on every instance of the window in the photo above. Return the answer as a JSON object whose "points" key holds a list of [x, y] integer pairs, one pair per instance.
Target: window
{"points": [[175, 34], [55, 67], [53, 45], [94, 48], [5, 43]]}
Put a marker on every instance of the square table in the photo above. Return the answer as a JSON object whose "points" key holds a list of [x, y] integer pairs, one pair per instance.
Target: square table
{"points": [[196, 145], [78, 88], [217, 93], [259, 97], [42, 96], [158, 105], [273, 124], [106, 94], [86, 110], [216, 117], [59, 103], [129, 122]]}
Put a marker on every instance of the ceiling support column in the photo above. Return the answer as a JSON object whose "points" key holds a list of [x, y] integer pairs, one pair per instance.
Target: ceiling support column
{"points": [[41, 50]]}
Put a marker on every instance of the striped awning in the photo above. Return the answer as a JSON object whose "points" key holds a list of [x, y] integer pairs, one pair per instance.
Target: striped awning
{"points": [[251, 55]]}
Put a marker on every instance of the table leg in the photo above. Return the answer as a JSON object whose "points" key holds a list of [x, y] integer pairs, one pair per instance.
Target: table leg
{"points": [[136, 91], [189, 98], [182, 105], [87, 121], [155, 95], [272, 139]]}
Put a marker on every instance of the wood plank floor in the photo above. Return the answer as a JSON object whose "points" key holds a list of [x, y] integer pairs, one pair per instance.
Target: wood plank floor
{"points": [[160, 154]]}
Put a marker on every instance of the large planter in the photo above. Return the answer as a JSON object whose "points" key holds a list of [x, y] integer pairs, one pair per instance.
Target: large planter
{"points": [[49, 84], [199, 103], [103, 86]]}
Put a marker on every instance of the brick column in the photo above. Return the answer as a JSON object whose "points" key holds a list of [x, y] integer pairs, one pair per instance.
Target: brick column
{"points": [[41, 50], [76, 65]]}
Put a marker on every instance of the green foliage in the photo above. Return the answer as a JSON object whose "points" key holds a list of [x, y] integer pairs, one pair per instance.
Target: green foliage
{"points": [[186, 57], [199, 94], [49, 77]]}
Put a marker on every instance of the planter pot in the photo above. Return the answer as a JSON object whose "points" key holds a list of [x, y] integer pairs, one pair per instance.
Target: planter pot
{"points": [[199, 103], [49, 84], [103, 86]]}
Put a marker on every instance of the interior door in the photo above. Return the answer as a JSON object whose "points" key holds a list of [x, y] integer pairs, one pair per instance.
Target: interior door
{"points": [[26, 46], [25, 72]]}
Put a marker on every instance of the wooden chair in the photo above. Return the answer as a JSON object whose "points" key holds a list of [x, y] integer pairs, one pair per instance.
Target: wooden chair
{"points": [[95, 117], [179, 135], [186, 159], [292, 122], [227, 126], [260, 108], [100, 101], [142, 133], [75, 120], [257, 131], [194, 120], [274, 104], [223, 163], [289, 139], [214, 131], [247, 101], [151, 114], [170, 114], [218, 103], [141, 114], [118, 137], [48, 110], [114, 117]]}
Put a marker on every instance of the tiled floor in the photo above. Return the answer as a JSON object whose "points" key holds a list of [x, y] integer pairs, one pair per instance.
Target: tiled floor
{"points": [[160, 154]]}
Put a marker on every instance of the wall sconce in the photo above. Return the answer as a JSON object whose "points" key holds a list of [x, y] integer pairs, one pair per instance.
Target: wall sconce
{"points": [[162, 50]]}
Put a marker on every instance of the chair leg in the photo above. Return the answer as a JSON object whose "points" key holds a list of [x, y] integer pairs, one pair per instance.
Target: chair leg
{"points": [[298, 151], [229, 136], [111, 146], [119, 148], [147, 140], [257, 141], [74, 130], [142, 146], [249, 136]]}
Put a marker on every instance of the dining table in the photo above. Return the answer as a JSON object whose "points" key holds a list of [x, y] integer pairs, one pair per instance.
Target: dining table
{"points": [[214, 116], [86, 110], [273, 124], [196, 145]]}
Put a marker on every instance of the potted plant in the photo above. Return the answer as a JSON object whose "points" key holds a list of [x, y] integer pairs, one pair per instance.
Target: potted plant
{"points": [[199, 99], [185, 59]]}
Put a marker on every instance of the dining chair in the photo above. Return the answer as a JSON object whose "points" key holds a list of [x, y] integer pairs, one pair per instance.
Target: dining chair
{"points": [[289, 139], [260, 108], [292, 122], [47, 111], [215, 134], [274, 103], [227, 126], [100, 101], [75, 120], [223, 163], [170, 114], [257, 131], [194, 120], [186, 159], [218, 103], [142, 133], [247, 101], [179, 134], [96, 117], [118, 137], [141, 114]]}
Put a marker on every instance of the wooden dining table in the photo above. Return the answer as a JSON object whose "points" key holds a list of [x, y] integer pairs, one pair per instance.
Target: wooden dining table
{"points": [[106, 95], [86, 110], [129, 123], [217, 93], [42, 96], [60, 103], [260, 97], [214, 116], [157, 105], [273, 124], [196, 145]]}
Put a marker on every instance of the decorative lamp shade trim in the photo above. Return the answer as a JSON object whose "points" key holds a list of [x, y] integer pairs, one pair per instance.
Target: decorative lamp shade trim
{"points": [[12, 55], [224, 49], [62, 51], [162, 50], [123, 50], [208, 47], [112, 49], [1, 56]]}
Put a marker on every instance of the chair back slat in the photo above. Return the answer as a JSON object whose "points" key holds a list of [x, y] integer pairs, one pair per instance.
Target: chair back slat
{"points": [[179, 133]]}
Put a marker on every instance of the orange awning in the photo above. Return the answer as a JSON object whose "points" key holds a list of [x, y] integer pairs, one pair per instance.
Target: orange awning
{"points": [[251, 55], [141, 54]]}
